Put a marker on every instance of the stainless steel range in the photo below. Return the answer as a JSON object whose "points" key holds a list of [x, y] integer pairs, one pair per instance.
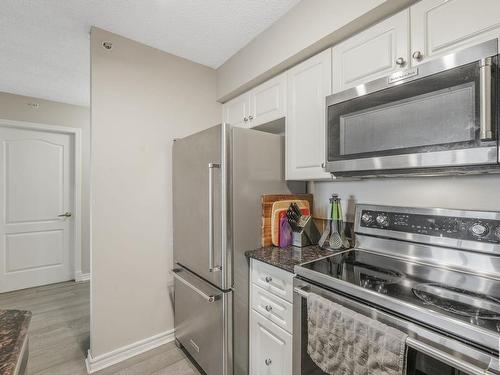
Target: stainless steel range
{"points": [[432, 273]]}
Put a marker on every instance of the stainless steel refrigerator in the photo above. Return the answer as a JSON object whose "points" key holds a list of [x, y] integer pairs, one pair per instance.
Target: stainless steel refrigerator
{"points": [[219, 175]]}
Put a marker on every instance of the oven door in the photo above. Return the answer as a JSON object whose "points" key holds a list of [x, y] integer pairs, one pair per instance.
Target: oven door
{"points": [[429, 353], [438, 115]]}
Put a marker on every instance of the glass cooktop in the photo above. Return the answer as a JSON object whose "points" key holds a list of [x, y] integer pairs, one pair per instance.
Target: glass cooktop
{"points": [[471, 299]]}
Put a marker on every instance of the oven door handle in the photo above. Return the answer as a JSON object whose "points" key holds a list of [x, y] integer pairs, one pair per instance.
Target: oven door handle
{"points": [[447, 358], [441, 356]]}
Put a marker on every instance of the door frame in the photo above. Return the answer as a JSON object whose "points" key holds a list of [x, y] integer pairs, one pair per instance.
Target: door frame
{"points": [[76, 134]]}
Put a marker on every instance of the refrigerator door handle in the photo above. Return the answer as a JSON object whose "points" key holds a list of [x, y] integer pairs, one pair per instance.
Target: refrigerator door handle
{"points": [[210, 298], [211, 266]]}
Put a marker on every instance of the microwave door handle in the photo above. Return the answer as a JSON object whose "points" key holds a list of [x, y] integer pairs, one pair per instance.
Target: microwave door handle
{"points": [[486, 132], [211, 167]]}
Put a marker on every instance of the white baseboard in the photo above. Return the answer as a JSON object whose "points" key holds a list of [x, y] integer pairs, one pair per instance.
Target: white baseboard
{"points": [[121, 354], [81, 277]]}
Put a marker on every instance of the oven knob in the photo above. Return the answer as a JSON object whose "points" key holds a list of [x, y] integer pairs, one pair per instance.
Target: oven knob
{"points": [[479, 229], [382, 220], [366, 218], [381, 288], [497, 233]]}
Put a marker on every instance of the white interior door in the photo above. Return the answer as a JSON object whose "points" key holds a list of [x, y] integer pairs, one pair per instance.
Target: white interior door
{"points": [[36, 186]]}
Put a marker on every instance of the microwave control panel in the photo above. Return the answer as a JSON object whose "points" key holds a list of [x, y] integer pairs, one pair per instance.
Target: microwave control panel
{"points": [[432, 225]]}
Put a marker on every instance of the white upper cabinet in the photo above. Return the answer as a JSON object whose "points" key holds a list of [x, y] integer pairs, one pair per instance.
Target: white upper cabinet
{"points": [[439, 27], [373, 53], [268, 101], [235, 111], [265, 103], [308, 84]]}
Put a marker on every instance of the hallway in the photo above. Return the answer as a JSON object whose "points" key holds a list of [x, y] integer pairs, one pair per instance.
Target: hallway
{"points": [[59, 335]]}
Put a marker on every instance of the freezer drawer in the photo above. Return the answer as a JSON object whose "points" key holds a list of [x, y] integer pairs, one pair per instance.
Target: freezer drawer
{"points": [[202, 322]]}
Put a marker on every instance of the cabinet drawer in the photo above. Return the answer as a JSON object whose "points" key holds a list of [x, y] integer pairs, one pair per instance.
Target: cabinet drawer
{"points": [[273, 308], [272, 279], [270, 347], [199, 322]]}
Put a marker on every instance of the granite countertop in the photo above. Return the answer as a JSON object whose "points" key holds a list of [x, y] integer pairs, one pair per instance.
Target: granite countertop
{"points": [[288, 257], [13, 332]]}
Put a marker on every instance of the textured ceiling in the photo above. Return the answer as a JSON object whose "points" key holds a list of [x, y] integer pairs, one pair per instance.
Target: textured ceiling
{"points": [[44, 44]]}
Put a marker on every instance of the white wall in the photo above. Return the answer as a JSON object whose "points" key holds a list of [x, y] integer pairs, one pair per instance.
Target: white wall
{"points": [[308, 28], [480, 192], [142, 99], [15, 107]]}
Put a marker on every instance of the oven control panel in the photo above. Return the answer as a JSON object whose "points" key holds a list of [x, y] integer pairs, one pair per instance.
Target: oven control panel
{"points": [[464, 228]]}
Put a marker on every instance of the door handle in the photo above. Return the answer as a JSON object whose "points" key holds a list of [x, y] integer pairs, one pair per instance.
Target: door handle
{"points": [[66, 214], [210, 298], [486, 132], [211, 267]]}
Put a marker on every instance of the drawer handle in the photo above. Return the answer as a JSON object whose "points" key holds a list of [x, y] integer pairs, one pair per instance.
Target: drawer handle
{"points": [[268, 362], [268, 279], [209, 298], [268, 307]]}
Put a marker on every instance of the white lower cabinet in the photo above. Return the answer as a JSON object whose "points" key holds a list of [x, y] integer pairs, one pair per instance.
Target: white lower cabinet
{"points": [[271, 324], [270, 347]]}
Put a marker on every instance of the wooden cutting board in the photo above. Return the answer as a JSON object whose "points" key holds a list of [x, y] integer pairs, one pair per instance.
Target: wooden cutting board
{"points": [[267, 201]]}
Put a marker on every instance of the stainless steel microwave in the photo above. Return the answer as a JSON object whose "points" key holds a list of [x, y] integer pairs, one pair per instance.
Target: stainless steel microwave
{"points": [[438, 117]]}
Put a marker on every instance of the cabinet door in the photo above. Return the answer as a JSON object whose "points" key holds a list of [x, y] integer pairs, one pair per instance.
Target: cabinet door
{"points": [[270, 347], [267, 101], [439, 27], [308, 85], [235, 112], [373, 53]]}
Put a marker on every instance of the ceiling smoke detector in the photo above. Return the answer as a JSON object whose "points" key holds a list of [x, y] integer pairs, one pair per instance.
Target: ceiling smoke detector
{"points": [[107, 45]]}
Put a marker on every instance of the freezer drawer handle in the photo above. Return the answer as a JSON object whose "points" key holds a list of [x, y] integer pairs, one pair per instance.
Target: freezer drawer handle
{"points": [[208, 298], [211, 267]]}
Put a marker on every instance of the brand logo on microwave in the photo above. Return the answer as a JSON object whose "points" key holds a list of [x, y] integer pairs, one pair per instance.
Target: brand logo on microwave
{"points": [[401, 75]]}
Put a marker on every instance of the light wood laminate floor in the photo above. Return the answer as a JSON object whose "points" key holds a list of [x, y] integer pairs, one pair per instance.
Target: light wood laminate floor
{"points": [[59, 335]]}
